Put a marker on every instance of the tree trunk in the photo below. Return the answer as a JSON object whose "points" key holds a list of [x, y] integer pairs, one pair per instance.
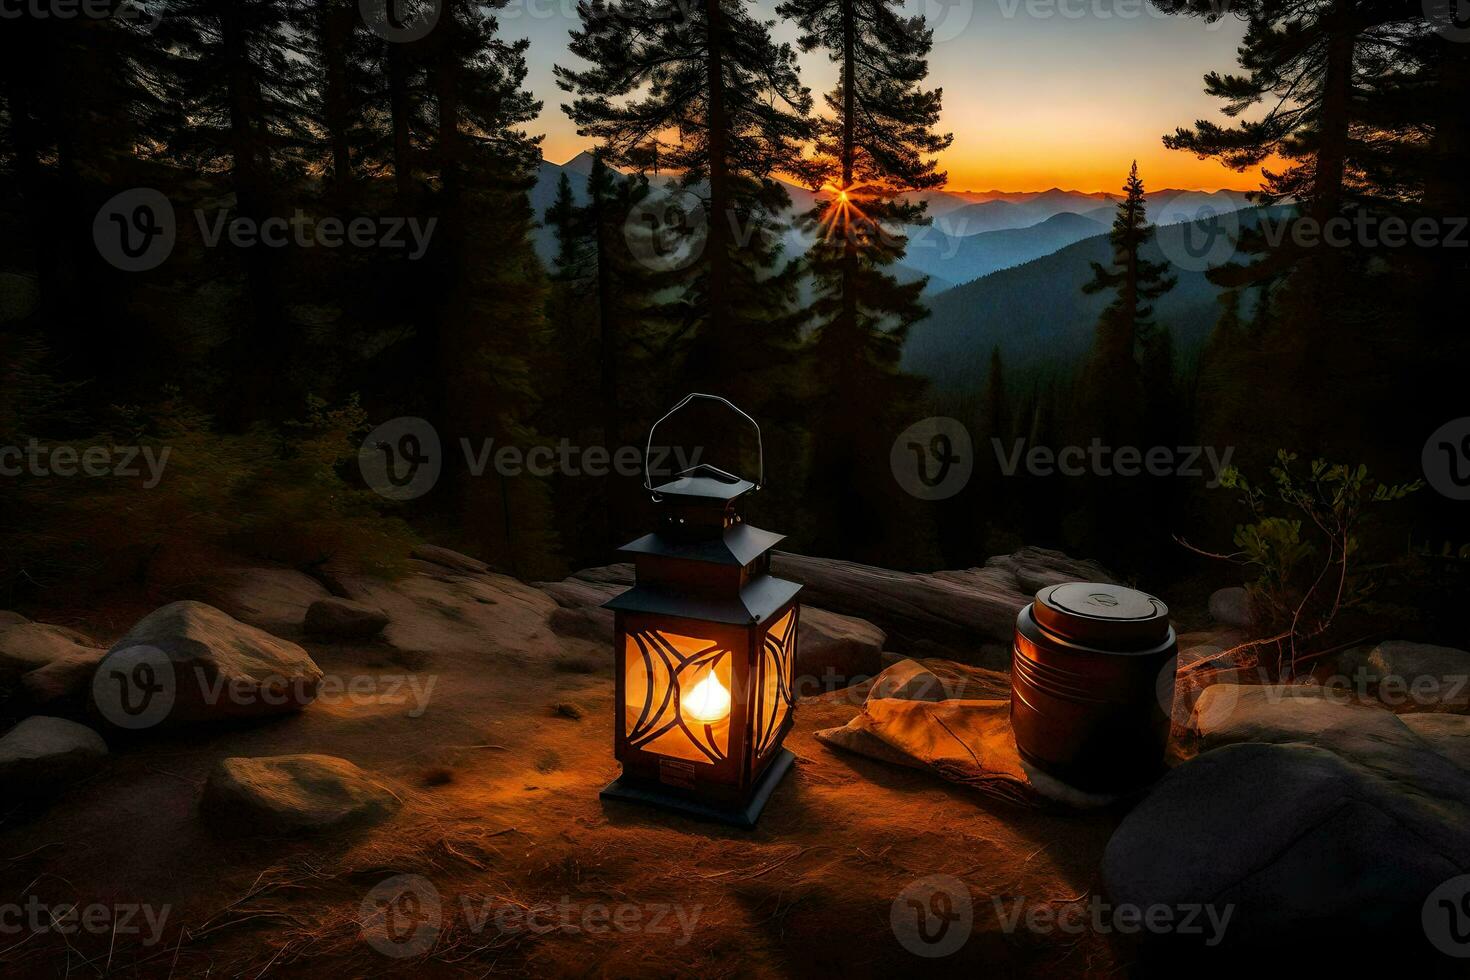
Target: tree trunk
{"points": [[400, 109], [718, 230], [848, 318], [337, 23]]}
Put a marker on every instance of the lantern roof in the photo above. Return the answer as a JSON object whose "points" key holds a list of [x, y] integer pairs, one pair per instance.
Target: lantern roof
{"points": [[740, 544], [761, 598], [705, 482]]}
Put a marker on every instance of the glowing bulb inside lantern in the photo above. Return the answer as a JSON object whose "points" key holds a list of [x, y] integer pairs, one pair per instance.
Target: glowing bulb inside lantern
{"points": [[708, 701]]}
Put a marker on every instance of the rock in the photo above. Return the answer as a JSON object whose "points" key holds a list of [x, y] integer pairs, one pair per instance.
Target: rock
{"points": [[8, 618], [1231, 607], [832, 649], [66, 677], [42, 754], [1447, 734], [273, 599], [293, 794], [344, 619], [28, 646], [1410, 676], [489, 614], [206, 665], [452, 560], [1364, 733], [592, 625], [968, 616], [1299, 840]]}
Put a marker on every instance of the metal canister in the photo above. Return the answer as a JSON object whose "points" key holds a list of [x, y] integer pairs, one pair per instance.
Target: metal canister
{"points": [[1092, 671]]}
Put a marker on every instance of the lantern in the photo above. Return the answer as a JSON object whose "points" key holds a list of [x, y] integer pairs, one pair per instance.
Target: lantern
{"points": [[704, 646]]}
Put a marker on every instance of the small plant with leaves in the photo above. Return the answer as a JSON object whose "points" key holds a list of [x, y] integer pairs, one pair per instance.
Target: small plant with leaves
{"points": [[1304, 543]]}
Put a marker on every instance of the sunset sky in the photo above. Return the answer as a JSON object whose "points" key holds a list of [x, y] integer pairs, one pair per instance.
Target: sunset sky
{"points": [[1038, 93]]}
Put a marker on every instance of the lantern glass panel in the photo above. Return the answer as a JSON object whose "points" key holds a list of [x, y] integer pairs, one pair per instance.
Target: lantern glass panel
{"points": [[777, 666], [676, 694]]}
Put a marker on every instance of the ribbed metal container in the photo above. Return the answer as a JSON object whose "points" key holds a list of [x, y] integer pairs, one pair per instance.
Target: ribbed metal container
{"points": [[1092, 669]]}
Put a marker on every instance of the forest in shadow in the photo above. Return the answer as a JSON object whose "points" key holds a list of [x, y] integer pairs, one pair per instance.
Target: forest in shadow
{"points": [[242, 235]]}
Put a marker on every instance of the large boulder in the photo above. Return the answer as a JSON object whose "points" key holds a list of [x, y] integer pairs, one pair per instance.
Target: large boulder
{"points": [[190, 662], [832, 649], [8, 618], [344, 619], [1447, 734], [25, 647], [1293, 840], [1307, 812], [293, 794], [273, 599], [41, 754], [1409, 676]]}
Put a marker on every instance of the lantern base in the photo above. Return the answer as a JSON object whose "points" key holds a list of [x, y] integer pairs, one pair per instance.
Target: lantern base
{"points": [[640, 791]]}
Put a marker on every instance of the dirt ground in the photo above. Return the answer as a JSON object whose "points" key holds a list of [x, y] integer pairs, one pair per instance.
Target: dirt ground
{"points": [[502, 817]]}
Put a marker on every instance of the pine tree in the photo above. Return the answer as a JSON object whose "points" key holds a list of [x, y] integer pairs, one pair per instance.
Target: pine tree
{"points": [[1309, 63], [490, 320], [877, 144], [709, 76], [1112, 386]]}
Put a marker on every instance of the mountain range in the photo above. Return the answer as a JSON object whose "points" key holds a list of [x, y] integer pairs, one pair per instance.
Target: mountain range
{"points": [[1038, 316], [1006, 268]]}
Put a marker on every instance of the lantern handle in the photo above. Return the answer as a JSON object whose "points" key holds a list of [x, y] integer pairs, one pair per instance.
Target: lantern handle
{"points": [[648, 449]]}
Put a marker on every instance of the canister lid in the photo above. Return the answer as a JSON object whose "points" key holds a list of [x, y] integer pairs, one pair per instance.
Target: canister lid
{"points": [[1108, 617]]}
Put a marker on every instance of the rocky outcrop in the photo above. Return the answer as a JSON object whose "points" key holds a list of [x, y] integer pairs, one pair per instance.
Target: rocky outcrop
{"points": [[446, 559], [190, 662], [65, 678], [43, 754], [1409, 677], [273, 599], [1306, 810], [967, 616], [293, 794], [25, 647], [343, 619]]}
